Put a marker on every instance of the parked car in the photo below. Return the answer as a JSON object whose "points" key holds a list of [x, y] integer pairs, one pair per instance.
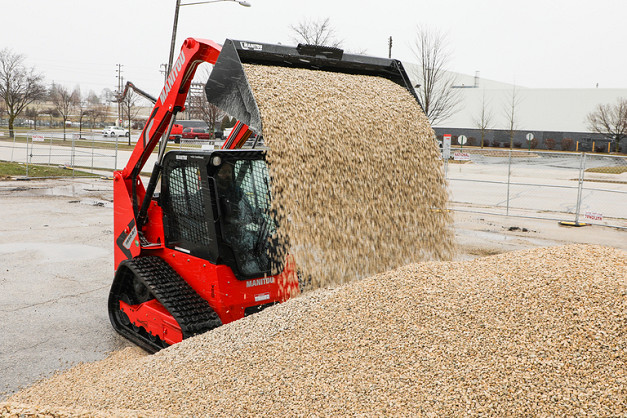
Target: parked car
{"points": [[113, 131], [176, 132], [197, 133]]}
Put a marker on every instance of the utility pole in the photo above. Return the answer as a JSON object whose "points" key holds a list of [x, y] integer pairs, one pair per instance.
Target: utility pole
{"points": [[164, 71], [390, 47], [118, 93], [121, 105]]}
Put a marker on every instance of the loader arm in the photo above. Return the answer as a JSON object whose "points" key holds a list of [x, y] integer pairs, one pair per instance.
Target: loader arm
{"points": [[171, 100], [131, 86]]}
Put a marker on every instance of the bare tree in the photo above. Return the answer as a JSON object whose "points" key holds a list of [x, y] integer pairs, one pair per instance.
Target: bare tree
{"points": [[94, 108], [315, 32], [64, 102], [107, 95], [609, 120], [435, 88], [130, 109], [198, 105], [512, 115], [200, 108], [82, 109], [3, 111], [92, 98], [483, 121], [52, 113], [96, 112], [19, 85], [32, 112]]}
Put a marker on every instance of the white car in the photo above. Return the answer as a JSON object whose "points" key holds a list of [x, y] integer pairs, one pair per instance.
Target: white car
{"points": [[114, 131]]}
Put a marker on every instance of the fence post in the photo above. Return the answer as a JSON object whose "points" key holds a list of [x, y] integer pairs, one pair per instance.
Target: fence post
{"points": [[116, 154], [27, 154], [92, 152], [73, 153], [582, 166], [509, 175], [50, 150], [13, 148]]}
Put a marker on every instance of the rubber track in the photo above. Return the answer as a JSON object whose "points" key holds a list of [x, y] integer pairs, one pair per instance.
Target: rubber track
{"points": [[193, 313]]}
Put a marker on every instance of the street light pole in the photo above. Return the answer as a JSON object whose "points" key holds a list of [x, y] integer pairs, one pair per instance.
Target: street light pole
{"points": [[176, 20]]}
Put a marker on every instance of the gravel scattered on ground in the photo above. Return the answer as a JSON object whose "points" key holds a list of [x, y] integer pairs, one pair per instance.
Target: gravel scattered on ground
{"points": [[531, 332]]}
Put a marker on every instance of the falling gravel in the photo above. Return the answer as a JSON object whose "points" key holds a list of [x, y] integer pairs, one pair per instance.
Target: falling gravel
{"points": [[533, 332], [356, 175]]}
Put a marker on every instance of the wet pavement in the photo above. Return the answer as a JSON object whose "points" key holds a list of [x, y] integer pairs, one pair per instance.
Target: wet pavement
{"points": [[56, 267]]}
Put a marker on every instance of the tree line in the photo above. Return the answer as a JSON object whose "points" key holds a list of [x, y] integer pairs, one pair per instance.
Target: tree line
{"points": [[21, 86], [22, 89]]}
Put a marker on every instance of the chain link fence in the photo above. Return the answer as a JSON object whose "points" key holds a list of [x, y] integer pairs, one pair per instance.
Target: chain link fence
{"points": [[87, 151], [571, 187], [564, 186]]}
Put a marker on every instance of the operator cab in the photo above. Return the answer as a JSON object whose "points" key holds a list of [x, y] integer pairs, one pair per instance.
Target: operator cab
{"points": [[216, 206]]}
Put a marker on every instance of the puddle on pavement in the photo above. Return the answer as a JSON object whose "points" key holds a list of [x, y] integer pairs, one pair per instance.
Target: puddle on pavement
{"points": [[55, 252], [504, 238], [95, 202], [75, 189]]}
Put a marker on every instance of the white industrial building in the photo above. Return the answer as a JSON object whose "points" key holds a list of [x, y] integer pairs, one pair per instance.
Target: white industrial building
{"points": [[545, 112]]}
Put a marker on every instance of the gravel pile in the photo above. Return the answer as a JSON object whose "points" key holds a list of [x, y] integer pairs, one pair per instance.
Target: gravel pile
{"points": [[356, 173], [533, 332]]}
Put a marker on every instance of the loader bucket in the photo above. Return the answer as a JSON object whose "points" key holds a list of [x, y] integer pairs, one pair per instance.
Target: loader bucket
{"points": [[228, 88]]}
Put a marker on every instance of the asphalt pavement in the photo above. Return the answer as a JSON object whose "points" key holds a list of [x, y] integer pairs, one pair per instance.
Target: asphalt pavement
{"points": [[56, 247]]}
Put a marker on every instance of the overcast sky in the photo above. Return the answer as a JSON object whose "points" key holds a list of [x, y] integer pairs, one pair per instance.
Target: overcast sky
{"points": [[533, 43]]}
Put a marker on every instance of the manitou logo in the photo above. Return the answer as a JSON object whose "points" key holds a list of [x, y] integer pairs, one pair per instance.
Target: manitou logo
{"points": [[259, 282], [251, 46], [172, 77]]}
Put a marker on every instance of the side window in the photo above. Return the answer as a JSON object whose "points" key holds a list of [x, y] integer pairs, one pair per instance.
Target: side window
{"points": [[254, 183], [186, 212]]}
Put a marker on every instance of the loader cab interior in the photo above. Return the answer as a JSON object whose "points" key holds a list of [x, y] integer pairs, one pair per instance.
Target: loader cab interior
{"points": [[216, 206]]}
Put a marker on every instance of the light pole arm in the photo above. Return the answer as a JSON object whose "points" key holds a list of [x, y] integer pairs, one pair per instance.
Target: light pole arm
{"points": [[241, 2], [176, 21]]}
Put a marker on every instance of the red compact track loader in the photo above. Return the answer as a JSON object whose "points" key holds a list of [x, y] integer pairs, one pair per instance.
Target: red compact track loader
{"points": [[202, 251]]}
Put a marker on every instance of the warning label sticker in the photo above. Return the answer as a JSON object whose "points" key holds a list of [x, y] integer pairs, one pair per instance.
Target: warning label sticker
{"points": [[262, 296], [131, 237]]}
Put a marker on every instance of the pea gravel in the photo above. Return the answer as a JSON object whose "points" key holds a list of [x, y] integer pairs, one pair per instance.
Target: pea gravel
{"points": [[532, 332], [356, 173]]}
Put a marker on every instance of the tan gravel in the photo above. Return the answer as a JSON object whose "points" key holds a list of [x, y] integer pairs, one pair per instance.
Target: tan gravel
{"points": [[356, 174], [361, 191], [532, 332]]}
